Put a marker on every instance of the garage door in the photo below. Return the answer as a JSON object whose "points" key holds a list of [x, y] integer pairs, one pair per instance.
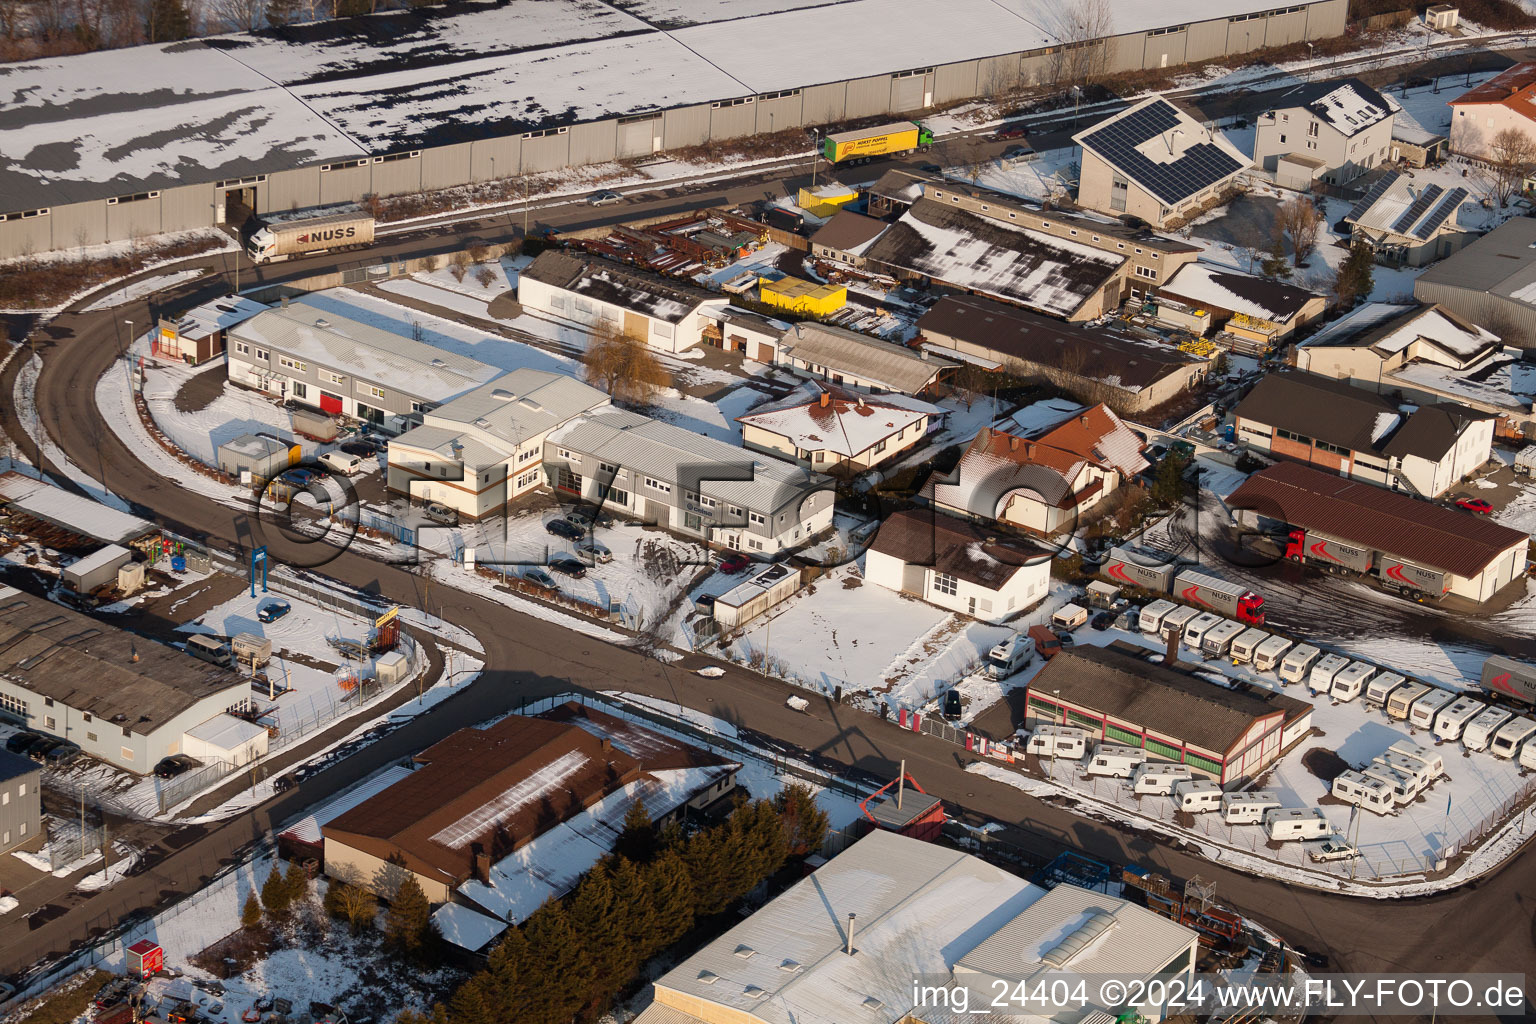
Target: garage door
{"points": [[639, 136], [330, 402]]}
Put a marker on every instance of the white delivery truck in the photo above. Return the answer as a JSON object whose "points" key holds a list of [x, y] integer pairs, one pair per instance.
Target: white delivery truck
{"points": [[1114, 761], [1400, 703], [1512, 735], [1196, 796], [1194, 633], [1069, 616], [1427, 756], [1320, 679], [1010, 656], [1292, 824], [1372, 794], [1380, 688], [1151, 618], [1248, 808], [1422, 715], [1269, 653], [1450, 722], [1295, 665], [1175, 621], [285, 239], [1062, 742], [1350, 681], [1157, 778], [1479, 732]]}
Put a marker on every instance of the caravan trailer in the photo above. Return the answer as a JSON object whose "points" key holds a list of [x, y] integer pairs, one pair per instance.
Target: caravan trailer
{"points": [[1060, 741], [1528, 755], [1069, 616], [1175, 621], [1511, 736], [1269, 653], [1433, 763], [1401, 785], [1348, 683], [1372, 794], [1479, 732], [1298, 663], [1247, 643], [1248, 808], [1218, 642], [1117, 762], [1159, 778], [1450, 722], [1320, 679], [1379, 689], [1400, 704], [1288, 824], [1422, 715], [1196, 796], [1417, 770], [1151, 618], [1194, 633]]}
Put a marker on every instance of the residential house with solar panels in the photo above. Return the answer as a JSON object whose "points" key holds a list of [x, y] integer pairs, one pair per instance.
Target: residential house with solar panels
{"points": [[1155, 162], [1340, 129], [1408, 222]]}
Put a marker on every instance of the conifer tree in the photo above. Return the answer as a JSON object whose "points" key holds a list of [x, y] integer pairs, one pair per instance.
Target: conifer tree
{"points": [[1275, 266], [639, 838], [672, 899], [297, 882], [166, 21], [805, 824], [274, 893], [560, 973], [250, 916], [409, 918]]}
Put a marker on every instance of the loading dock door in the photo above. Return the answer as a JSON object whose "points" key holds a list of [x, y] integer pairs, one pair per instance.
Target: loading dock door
{"points": [[329, 402], [639, 136]]}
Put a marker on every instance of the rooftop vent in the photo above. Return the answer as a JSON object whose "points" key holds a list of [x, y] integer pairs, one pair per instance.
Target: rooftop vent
{"points": [[708, 977], [872, 1004], [745, 952], [754, 991], [790, 966], [438, 363], [321, 321], [1069, 948], [502, 395]]}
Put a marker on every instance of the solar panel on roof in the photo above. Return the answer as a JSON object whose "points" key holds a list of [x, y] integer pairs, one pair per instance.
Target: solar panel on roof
{"points": [[1199, 167], [1369, 199], [1416, 209], [1441, 213]]}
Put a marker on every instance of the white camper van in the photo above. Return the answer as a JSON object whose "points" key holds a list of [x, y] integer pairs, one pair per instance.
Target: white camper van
{"points": [[1117, 762], [1069, 616], [1380, 688], [1194, 633], [1350, 681], [1059, 741], [1320, 679], [1296, 665], [1512, 735], [1175, 621], [1479, 732], [1372, 794], [1400, 703], [1196, 796], [1427, 756], [1450, 722], [1246, 643], [1422, 715], [1151, 618], [1157, 778], [1248, 808], [1269, 653], [1289, 824], [1218, 642], [1010, 656]]}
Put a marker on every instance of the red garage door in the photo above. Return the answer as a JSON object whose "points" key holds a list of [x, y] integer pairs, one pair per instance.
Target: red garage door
{"points": [[330, 402]]}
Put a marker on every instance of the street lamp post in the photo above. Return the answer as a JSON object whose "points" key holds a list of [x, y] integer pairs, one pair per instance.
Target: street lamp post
{"points": [[815, 153]]}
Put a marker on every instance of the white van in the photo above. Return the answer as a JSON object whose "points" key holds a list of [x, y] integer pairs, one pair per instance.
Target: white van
{"points": [[1117, 762], [1370, 793], [1218, 642], [1450, 722], [1069, 616], [1422, 714], [1248, 808], [341, 462], [1320, 679], [1196, 796], [1511, 736], [1151, 618], [1380, 688], [1427, 756], [1269, 653], [1349, 682], [1175, 622], [1247, 643], [1288, 824], [1058, 741], [1296, 665], [1400, 704], [1157, 778], [1401, 785], [1479, 732], [208, 649], [1194, 633]]}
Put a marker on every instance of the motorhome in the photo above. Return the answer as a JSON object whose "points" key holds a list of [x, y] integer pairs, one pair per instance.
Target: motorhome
{"points": [[1157, 778], [1117, 762], [1350, 681], [1062, 742], [1372, 794], [1320, 679], [1175, 622], [1380, 688], [1512, 735], [1451, 721], [1288, 824], [1151, 618], [1196, 796], [1427, 756], [1010, 656], [1422, 715], [1194, 633], [1069, 616], [1269, 653], [1248, 808], [1479, 732], [1218, 642], [1400, 703], [1247, 643], [1295, 666]]}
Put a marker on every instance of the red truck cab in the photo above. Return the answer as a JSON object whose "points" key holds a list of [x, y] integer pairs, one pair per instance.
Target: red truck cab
{"points": [[1250, 609]]}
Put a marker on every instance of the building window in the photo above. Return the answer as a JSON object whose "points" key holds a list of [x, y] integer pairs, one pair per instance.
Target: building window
{"points": [[91, 736], [136, 197], [25, 215], [531, 453], [300, 389], [5, 799], [756, 519], [528, 478], [21, 829], [658, 485], [1164, 750], [49, 722], [607, 469], [879, 447], [292, 364], [242, 348], [334, 378], [945, 584], [370, 390], [263, 355], [127, 753], [617, 496], [1312, 129]]}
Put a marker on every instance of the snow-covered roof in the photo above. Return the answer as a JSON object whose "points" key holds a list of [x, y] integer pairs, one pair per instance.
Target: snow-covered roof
{"points": [[98, 559], [884, 363], [307, 828], [1398, 205], [226, 732], [254, 446], [823, 417], [618, 285], [466, 928], [1221, 288], [1389, 329], [216, 315], [69, 511], [488, 424], [1349, 106]]}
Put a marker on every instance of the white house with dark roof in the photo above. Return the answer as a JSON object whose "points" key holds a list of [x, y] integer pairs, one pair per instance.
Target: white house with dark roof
{"points": [[957, 564], [827, 428], [1343, 126], [1408, 221], [665, 314]]}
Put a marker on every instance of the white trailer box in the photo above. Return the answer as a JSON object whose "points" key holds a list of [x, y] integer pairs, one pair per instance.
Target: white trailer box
{"points": [[1218, 641], [391, 668], [1062, 742], [1400, 703], [1479, 732], [1422, 715], [250, 649], [1196, 796], [95, 570], [1292, 824], [1427, 756], [1157, 778], [1349, 682], [1525, 460], [1372, 794], [1511, 736], [1270, 653], [1151, 618], [1247, 643], [1194, 633], [1295, 666], [1069, 616], [1528, 755], [1175, 621], [1380, 688], [1116, 762], [1320, 679], [1248, 808], [1451, 721]]}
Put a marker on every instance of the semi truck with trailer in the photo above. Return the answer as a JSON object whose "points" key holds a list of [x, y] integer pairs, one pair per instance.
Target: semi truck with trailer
{"points": [[285, 239], [1162, 574], [1338, 556], [881, 140], [1510, 679]]}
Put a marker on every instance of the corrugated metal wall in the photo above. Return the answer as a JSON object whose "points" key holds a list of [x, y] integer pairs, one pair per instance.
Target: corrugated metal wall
{"points": [[482, 161], [546, 152], [780, 112], [731, 120], [868, 97], [686, 126], [127, 220], [824, 103], [955, 82], [1205, 40], [397, 177], [593, 143], [185, 208], [1166, 50], [36, 234], [345, 184], [639, 136], [289, 190]]}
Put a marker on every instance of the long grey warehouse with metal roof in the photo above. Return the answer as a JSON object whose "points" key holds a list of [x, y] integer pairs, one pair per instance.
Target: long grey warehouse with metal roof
{"points": [[109, 145]]}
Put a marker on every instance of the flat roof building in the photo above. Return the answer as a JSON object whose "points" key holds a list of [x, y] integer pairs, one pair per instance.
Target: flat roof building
{"points": [[1491, 282]]}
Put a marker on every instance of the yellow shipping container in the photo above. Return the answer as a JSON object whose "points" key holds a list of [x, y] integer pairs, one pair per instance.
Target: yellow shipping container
{"points": [[799, 296], [825, 200]]}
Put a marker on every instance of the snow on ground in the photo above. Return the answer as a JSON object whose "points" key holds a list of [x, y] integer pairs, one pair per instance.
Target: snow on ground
{"points": [[236, 411], [26, 413], [140, 288], [762, 261], [715, 417]]}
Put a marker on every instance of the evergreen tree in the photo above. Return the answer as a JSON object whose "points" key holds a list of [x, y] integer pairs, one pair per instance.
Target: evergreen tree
{"points": [[1356, 275], [672, 900], [297, 883], [274, 894], [639, 838], [470, 1005], [603, 923], [631, 891], [704, 858], [1275, 266], [409, 919], [166, 21], [1168, 487], [671, 836], [560, 972], [250, 916], [805, 825], [505, 971]]}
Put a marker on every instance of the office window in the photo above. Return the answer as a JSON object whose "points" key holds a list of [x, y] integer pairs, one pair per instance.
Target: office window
{"points": [[658, 485], [300, 389], [757, 519], [242, 348], [127, 753], [49, 722], [292, 364], [879, 447], [91, 736], [945, 583], [21, 829], [369, 389]]}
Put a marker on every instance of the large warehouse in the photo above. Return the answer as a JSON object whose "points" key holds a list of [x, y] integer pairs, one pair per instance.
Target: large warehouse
{"points": [[121, 143]]}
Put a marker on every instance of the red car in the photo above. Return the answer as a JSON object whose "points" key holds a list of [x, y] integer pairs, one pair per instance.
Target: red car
{"points": [[1014, 130], [733, 564], [1477, 505]]}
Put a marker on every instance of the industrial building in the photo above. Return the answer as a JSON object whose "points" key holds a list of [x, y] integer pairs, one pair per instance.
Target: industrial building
{"points": [[848, 359], [197, 335], [260, 455], [1490, 282], [1116, 694], [957, 564], [21, 804], [94, 149], [666, 314]]}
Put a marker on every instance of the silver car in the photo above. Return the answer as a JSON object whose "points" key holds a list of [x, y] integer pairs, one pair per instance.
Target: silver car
{"points": [[605, 197]]}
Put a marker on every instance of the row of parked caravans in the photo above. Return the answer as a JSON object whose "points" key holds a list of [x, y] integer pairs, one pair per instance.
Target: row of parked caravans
{"points": [[1189, 794], [1394, 778]]}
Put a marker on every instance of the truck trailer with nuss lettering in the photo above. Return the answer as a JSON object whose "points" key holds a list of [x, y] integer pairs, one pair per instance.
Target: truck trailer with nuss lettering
{"points": [[1161, 573], [285, 239], [1338, 556], [1506, 677]]}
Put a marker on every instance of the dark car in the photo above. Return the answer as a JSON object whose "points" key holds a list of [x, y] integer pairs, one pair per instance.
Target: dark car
{"points": [[176, 764], [930, 168], [568, 565], [273, 610], [298, 476], [1066, 639], [362, 449], [1103, 620], [953, 706], [733, 564], [62, 754], [39, 750], [564, 528], [1477, 505], [22, 742], [540, 578], [1011, 130]]}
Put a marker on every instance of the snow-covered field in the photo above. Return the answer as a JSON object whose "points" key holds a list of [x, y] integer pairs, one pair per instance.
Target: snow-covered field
{"points": [[140, 288], [234, 412]]}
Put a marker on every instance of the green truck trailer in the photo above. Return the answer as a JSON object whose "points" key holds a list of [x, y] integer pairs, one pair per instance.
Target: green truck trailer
{"points": [[883, 140]]}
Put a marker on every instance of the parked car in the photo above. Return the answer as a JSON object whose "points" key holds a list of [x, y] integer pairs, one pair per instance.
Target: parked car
{"points": [[604, 197], [564, 528], [21, 742], [273, 610], [174, 765], [1103, 621], [540, 578], [362, 449], [1477, 505], [1015, 152], [298, 476], [440, 514], [39, 750], [63, 753], [568, 565], [1011, 130], [953, 706], [594, 551], [733, 564], [587, 516], [1335, 848], [341, 462], [930, 168]]}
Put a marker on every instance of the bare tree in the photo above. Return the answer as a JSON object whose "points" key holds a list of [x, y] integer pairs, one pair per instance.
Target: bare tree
{"points": [[1083, 28], [623, 365], [1297, 221], [236, 15], [1512, 154]]}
